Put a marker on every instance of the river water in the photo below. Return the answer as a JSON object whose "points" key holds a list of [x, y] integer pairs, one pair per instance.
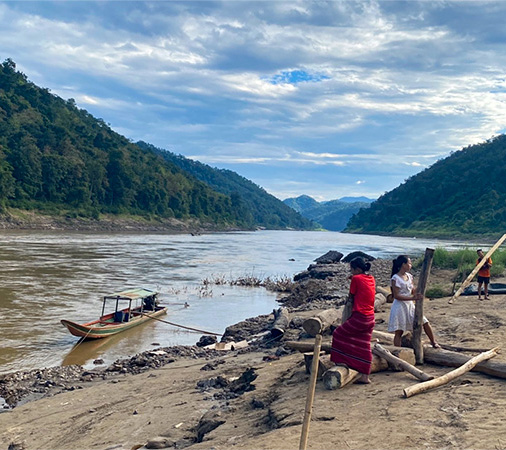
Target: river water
{"points": [[49, 276]]}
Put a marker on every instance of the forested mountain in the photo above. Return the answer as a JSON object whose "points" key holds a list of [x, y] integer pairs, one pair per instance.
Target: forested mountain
{"points": [[301, 203], [464, 193], [254, 203], [332, 215], [58, 159]]}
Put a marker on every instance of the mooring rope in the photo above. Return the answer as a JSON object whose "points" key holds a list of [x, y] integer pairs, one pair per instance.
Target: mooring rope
{"points": [[182, 326]]}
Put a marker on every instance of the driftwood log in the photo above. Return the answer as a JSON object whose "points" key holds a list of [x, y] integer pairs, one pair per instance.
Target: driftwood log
{"points": [[347, 309], [385, 291], [322, 321], [281, 322], [477, 268], [444, 379], [418, 319], [379, 301], [401, 364], [453, 359]]}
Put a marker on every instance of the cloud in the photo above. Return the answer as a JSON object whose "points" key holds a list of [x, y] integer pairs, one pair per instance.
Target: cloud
{"points": [[329, 92]]}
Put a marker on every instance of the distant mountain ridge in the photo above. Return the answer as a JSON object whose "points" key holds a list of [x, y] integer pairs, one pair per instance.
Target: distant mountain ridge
{"points": [[462, 194], [332, 215]]}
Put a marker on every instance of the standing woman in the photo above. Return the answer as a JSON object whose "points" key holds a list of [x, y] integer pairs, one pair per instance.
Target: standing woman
{"points": [[351, 342], [402, 313]]}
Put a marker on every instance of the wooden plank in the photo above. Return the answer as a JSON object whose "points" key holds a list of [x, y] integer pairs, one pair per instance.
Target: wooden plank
{"points": [[476, 269]]}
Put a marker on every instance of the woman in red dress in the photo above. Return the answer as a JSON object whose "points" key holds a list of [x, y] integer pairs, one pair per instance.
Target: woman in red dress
{"points": [[351, 342]]}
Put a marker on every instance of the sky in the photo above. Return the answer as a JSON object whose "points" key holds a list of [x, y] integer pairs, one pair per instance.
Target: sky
{"points": [[320, 98]]}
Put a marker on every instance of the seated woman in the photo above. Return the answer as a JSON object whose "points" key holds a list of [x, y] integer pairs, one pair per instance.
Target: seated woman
{"points": [[351, 342]]}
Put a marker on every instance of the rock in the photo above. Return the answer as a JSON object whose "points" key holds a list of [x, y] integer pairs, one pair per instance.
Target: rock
{"points": [[160, 442], [208, 422], [331, 257], [354, 255], [17, 446], [206, 340]]}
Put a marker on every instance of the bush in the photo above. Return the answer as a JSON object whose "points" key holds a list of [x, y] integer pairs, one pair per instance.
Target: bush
{"points": [[437, 291]]}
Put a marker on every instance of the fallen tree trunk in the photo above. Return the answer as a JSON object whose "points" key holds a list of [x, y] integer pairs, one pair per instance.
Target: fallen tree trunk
{"points": [[385, 291], [453, 359], [379, 301], [444, 379], [322, 321], [281, 322], [398, 362]]}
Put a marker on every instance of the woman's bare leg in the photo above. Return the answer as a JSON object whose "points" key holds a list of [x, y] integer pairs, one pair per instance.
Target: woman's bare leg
{"points": [[430, 334], [398, 338]]}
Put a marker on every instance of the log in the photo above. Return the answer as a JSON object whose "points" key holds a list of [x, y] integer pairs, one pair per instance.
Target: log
{"points": [[338, 377], [385, 291], [324, 363], [444, 379], [281, 322], [379, 301], [448, 358], [310, 395], [322, 321], [418, 319], [347, 309], [476, 269], [398, 362]]}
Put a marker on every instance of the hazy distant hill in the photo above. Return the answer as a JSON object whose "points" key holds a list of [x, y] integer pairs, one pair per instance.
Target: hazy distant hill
{"points": [[464, 193], [332, 215], [256, 205]]}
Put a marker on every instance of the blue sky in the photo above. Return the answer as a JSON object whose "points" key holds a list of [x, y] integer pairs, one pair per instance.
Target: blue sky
{"points": [[323, 98]]}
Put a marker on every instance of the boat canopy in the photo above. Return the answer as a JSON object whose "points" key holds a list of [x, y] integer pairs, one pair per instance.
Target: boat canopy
{"points": [[131, 294]]}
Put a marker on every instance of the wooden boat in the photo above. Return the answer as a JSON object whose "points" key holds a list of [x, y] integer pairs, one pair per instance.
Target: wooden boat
{"points": [[145, 308]]}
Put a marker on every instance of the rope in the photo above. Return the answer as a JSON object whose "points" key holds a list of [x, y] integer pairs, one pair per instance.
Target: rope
{"points": [[182, 326]]}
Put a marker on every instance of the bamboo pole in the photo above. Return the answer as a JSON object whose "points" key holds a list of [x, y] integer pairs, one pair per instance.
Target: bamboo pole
{"points": [[310, 394], [444, 379], [418, 319], [476, 269], [384, 353]]}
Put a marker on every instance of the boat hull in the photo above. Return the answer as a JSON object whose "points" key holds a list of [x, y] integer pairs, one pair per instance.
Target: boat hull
{"points": [[99, 329]]}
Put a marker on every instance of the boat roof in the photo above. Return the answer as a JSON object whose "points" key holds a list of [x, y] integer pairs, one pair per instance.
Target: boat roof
{"points": [[131, 294]]}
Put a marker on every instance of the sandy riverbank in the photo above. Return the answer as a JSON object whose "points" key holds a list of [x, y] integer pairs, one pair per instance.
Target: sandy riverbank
{"points": [[254, 398]]}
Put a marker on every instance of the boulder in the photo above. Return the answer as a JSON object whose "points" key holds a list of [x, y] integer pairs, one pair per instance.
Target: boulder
{"points": [[354, 255], [331, 257]]}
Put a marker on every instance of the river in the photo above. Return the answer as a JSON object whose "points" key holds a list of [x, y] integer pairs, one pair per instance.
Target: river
{"points": [[49, 276]]}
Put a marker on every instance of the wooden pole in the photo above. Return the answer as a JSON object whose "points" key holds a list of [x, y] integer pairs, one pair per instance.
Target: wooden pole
{"points": [[384, 353], [418, 319], [476, 269], [436, 382], [310, 394]]}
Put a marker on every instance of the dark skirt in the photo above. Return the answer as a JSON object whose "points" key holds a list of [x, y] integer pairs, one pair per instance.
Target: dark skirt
{"points": [[351, 343]]}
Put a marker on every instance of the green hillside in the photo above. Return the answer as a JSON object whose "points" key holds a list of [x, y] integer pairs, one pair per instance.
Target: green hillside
{"points": [[254, 203], [332, 215], [59, 160], [463, 194]]}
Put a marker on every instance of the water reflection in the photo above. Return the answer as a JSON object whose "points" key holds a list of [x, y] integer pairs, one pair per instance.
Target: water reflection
{"points": [[48, 276]]}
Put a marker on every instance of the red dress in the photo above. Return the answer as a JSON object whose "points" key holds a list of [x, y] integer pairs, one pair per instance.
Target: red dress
{"points": [[351, 342]]}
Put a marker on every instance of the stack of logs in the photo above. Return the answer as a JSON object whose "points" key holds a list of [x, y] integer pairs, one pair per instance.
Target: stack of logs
{"points": [[389, 357]]}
